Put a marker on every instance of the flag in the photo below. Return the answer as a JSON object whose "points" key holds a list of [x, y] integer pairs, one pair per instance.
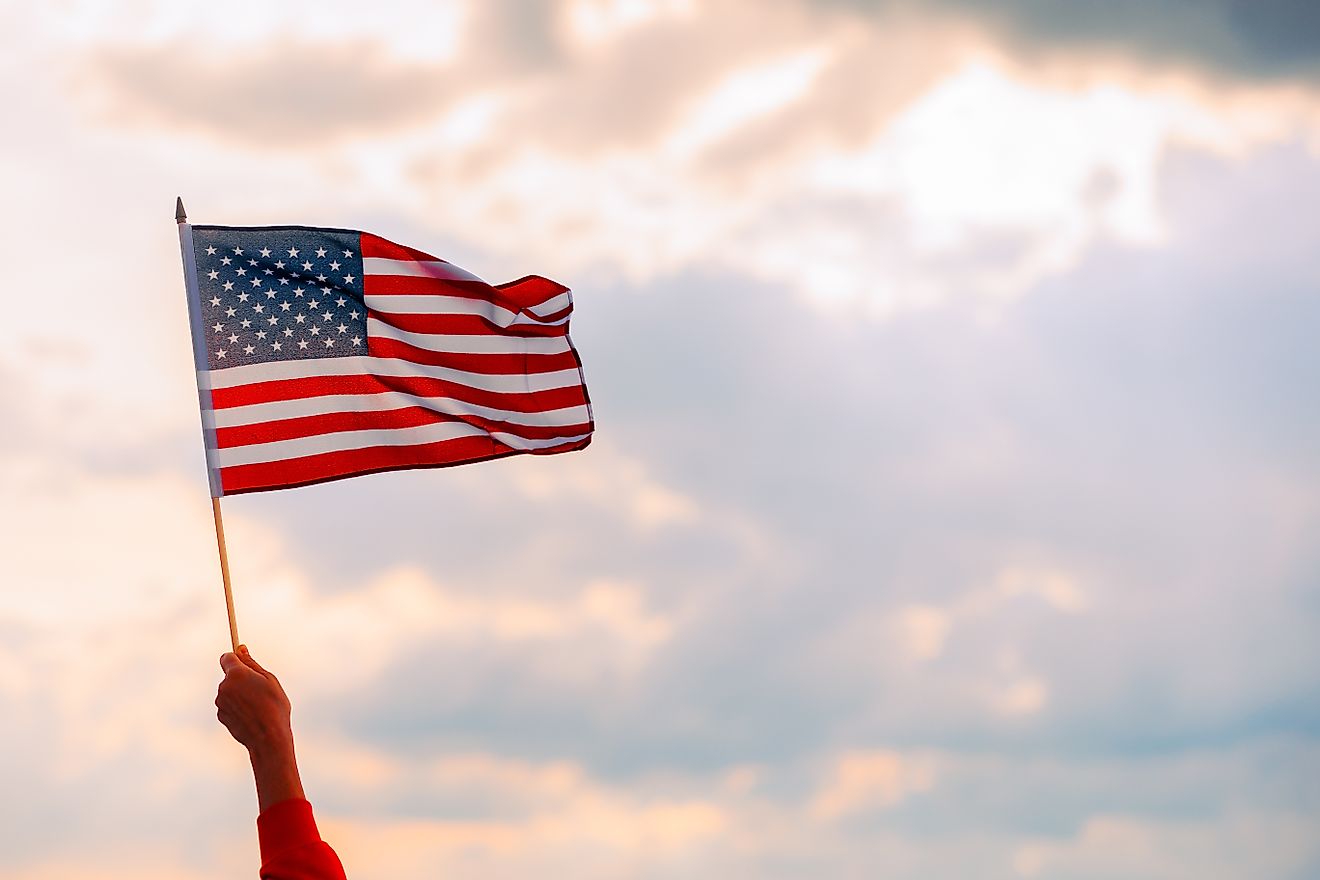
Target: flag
{"points": [[329, 353]]}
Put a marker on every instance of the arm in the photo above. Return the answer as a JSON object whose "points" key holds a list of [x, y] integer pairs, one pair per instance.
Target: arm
{"points": [[252, 704]]}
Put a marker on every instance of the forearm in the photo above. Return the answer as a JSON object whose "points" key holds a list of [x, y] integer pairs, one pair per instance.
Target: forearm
{"points": [[275, 770]]}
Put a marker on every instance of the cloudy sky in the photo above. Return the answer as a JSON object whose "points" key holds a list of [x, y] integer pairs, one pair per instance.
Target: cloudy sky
{"points": [[954, 505]]}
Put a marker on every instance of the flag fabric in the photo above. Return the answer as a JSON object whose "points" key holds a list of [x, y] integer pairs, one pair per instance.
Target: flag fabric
{"points": [[329, 353]]}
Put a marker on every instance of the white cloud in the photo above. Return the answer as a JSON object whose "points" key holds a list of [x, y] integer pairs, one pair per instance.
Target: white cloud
{"points": [[871, 780]]}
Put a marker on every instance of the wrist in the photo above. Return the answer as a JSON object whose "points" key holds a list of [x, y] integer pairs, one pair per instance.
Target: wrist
{"points": [[272, 748], [275, 770]]}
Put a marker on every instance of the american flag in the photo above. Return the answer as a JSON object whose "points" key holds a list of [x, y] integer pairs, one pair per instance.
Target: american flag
{"points": [[328, 353]]}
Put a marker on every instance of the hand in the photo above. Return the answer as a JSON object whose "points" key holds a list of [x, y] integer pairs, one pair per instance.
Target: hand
{"points": [[253, 705]]}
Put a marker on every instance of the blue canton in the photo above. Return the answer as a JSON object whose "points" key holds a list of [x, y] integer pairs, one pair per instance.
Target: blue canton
{"points": [[279, 293]]}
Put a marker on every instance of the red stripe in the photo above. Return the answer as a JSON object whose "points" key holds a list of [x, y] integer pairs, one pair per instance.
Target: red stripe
{"points": [[556, 316], [337, 465], [375, 246], [294, 389], [406, 417], [531, 291], [466, 325], [494, 364]]}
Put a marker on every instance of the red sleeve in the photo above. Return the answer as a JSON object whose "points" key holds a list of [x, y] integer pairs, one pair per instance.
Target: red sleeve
{"points": [[291, 847]]}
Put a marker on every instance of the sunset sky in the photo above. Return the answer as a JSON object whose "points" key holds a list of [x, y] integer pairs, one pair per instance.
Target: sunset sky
{"points": [[954, 507]]}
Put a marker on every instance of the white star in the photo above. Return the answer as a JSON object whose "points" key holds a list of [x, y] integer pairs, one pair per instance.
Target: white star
{"points": [[215, 300], [229, 285], [270, 294], [299, 318], [224, 261], [231, 312], [284, 281], [293, 252], [261, 334], [279, 264], [255, 282], [288, 331], [325, 290], [342, 329], [298, 291], [218, 327], [320, 252], [269, 271], [341, 302], [357, 340], [252, 262], [265, 252], [221, 353], [233, 337], [302, 343], [258, 308], [272, 320], [316, 331], [348, 253], [320, 278], [284, 307], [210, 252], [334, 264], [348, 279], [313, 303], [247, 349], [243, 297], [307, 266], [247, 322], [242, 271], [239, 251], [213, 274], [328, 317], [329, 343], [277, 345], [353, 314]]}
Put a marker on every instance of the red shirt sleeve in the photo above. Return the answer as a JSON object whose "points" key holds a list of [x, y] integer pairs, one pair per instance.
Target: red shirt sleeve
{"points": [[291, 847]]}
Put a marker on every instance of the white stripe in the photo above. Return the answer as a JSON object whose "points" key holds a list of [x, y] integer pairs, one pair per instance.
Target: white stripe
{"points": [[344, 441], [256, 413], [282, 450], [516, 442], [416, 269], [234, 377], [440, 305], [446, 343], [552, 305]]}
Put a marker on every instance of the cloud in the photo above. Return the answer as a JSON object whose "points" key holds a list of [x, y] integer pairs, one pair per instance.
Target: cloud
{"points": [[870, 779], [280, 94], [1231, 37], [966, 170]]}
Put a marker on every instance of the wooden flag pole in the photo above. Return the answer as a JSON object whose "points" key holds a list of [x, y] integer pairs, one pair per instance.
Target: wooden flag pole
{"points": [[204, 403], [224, 572]]}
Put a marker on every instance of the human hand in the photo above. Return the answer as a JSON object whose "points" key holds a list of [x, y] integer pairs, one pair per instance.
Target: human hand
{"points": [[252, 705]]}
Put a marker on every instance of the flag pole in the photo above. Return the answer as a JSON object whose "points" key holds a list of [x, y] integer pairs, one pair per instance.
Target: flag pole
{"points": [[204, 403], [224, 572]]}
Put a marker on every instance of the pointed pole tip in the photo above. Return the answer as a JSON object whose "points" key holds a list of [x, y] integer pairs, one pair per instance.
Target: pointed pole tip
{"points": [[180, 216]]}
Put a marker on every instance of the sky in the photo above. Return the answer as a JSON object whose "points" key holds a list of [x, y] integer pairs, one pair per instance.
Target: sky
{"points": [[953, 505]]}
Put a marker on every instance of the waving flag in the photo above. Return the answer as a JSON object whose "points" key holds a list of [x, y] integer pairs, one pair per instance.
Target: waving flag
{"points": [[328, 353]]}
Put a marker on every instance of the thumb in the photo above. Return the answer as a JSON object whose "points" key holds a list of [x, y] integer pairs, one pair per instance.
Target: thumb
{"points": [[246, 659], [228, 661]]}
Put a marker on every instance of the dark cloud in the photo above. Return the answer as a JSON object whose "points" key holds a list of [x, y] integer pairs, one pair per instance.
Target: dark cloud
{"points": [[1251, 38]]}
